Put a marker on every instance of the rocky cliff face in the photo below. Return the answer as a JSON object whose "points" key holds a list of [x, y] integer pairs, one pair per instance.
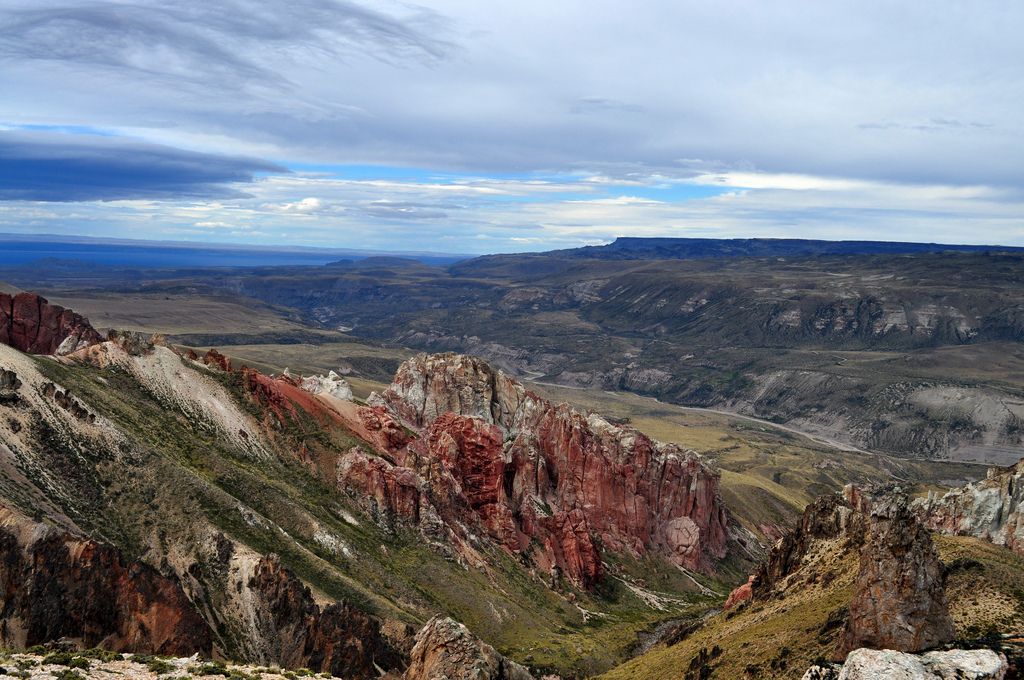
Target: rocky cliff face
{"points": [[55, 585], [446, 649], [989, 509], [900, 598], [537, 478], [298, 633], [31, 324]]}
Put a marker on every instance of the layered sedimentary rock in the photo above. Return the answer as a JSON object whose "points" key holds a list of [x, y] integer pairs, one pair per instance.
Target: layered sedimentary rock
{"points": [[297, 633], [56, 585], [446, 649], [989, 509], [536, 477], [899, 601], [31, 324]]}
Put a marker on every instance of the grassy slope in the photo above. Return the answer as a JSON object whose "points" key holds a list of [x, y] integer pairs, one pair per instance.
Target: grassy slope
{"points": [[783, 636]]}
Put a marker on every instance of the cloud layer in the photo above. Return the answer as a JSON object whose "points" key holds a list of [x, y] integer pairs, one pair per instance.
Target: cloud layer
{"points": [[47, 166], [740, 118]]}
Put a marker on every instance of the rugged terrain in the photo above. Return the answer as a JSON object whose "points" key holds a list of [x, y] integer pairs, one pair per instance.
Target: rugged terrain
{"points": [[283, 521], [850, 575], [911, 354], [233, 485]]}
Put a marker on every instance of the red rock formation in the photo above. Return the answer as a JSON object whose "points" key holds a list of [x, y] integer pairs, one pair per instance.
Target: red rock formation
{"points": [[384, 431], [384, 490], [447, 649], [297, 633], [31, 324], [56, 585], [527, 469], [215, 359], [744, 592], [900, 598]]}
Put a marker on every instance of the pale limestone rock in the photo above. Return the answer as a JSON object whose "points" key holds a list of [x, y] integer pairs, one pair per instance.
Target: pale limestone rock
{"points": [[992, 509], [332, 385], [886, 664]]}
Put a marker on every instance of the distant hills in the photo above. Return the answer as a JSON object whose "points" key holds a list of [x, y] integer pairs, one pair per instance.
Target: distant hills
{"points": [[631, 248]]}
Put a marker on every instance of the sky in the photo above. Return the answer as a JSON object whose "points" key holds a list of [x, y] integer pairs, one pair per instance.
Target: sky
{"points": [[481, 127]]}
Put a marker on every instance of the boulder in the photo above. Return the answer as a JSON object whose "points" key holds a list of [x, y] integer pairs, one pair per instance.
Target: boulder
{"points": [[957, 664], [446, 649]]}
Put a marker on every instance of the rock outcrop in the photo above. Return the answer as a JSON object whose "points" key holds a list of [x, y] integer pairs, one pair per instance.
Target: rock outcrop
{"points": [[990, 509], [215, 359], [446, 649], [135, 343], [536, 477], [56, 585], [900, 598], [298, 633], [831, 517], [31, 324], [870, 664], [9, 386], [333, 385]]}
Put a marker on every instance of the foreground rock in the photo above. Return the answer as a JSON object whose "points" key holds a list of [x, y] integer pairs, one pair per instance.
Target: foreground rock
{"points": [[31, 324], [537, 478], [446, 649], [297, 633], [870, 664], [56, 585], [989, 509], [900, 598]]}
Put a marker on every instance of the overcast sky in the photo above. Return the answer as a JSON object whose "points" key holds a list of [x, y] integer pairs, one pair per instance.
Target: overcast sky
{"points": [[497, 126]]}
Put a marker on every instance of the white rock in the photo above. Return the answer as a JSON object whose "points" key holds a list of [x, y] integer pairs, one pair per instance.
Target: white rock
{"points": [[959, 664], [333, 385], [966, 665]]}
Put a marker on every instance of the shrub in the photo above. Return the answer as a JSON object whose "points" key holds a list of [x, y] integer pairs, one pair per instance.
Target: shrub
{"points": [[160, 667], [67, 674]]}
